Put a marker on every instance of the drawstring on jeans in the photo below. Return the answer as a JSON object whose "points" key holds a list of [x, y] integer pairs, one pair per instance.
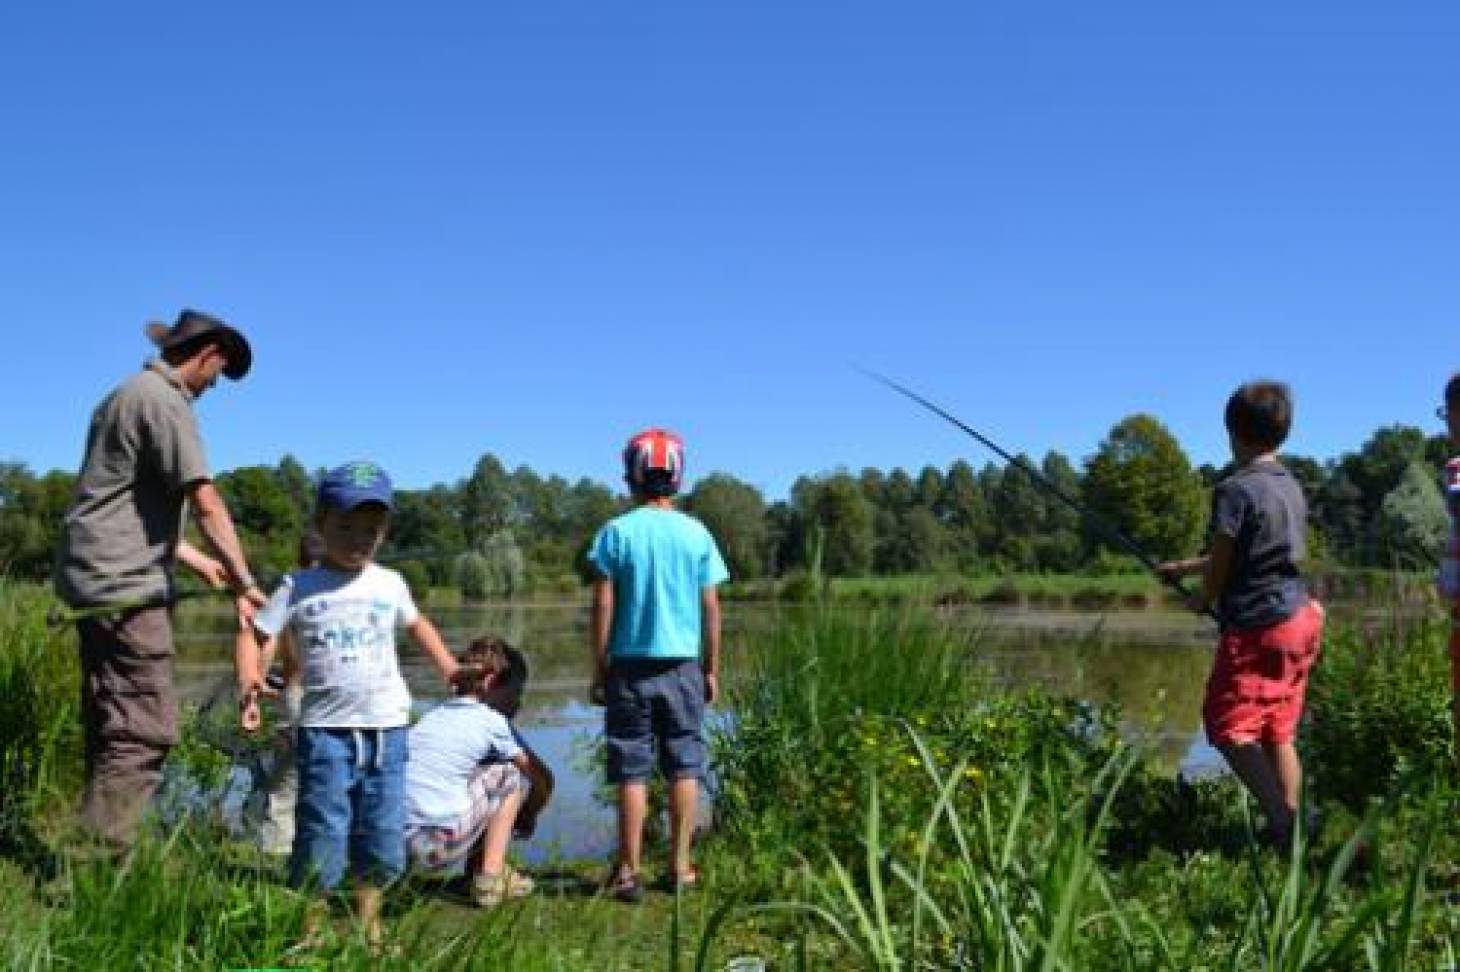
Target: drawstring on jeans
{"points": [[379, 760]]}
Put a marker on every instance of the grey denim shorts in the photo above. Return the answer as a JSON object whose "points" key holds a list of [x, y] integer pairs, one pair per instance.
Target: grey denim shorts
{"points": [[655, 708]]}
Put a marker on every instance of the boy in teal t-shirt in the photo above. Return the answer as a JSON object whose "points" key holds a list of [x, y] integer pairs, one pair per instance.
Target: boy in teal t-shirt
{"points": [[656, 615]]}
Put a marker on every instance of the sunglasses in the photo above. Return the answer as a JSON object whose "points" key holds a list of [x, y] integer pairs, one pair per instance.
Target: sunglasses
{"points": [[1443, 413]]}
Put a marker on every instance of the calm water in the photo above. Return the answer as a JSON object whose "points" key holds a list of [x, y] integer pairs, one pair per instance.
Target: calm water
{"points": [[1154, 666]]}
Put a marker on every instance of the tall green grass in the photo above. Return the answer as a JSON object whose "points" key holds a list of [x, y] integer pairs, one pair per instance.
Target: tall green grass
{"points": [[39, 732]]}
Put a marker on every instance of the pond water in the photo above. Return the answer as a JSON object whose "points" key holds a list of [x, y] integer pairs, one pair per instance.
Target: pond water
{"points": [[1153, 665]]}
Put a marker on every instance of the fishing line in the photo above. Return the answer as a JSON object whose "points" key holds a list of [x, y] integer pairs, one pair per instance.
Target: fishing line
{"points": [[1110, 530]]}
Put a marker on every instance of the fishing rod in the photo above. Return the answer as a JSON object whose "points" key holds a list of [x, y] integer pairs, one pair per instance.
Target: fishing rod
{"points": [[59, 615], [1110, 530]]}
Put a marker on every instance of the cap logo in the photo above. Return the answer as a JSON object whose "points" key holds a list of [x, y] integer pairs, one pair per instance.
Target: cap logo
{"points": [[362, 474]]}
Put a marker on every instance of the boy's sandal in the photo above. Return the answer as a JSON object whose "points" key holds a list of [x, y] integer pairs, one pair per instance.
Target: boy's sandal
{"points": [[624, 885], [684, 881], [490, 890]]}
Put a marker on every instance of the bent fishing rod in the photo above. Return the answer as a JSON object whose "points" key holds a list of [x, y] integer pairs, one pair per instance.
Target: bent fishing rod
{"points": [[1110, 530]]}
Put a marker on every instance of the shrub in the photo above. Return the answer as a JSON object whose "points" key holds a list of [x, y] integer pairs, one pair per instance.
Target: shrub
{"points": [[1378, 708]]}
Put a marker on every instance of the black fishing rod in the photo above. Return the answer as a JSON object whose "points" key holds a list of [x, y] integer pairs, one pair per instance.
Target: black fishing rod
{"points": [[1110, 530]]}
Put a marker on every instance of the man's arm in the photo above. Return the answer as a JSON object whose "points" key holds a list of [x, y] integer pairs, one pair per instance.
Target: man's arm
{"points": [[210, 570], [600, 624], [211, 515], [710, 621], [428, 639]]}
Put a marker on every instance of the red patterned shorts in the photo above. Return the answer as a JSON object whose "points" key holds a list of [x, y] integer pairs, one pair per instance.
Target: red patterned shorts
{"points": [[1259, 679], [442, 848]]}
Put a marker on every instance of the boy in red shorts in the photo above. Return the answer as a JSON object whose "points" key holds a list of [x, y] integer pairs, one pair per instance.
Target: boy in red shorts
{"points": [[1270, 627]]}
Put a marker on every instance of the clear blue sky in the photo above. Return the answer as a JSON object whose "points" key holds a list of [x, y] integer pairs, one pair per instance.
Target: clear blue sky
{"points": [[533, 227]]}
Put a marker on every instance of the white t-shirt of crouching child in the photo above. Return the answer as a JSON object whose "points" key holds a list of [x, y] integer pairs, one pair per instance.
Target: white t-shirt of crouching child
{"points": [[448, 745], [343, 628]]}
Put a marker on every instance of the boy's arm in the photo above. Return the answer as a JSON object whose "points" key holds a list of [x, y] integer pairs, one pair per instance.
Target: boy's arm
{"points": [[710, 620], [1217, 570], [1176, 569], [428, 639], [541, 778], [600, 624], [248, 653]]}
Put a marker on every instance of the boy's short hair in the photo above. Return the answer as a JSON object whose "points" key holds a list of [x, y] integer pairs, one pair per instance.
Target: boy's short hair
{"points": [[489, 656], [1260, 413], [1452, 390]]}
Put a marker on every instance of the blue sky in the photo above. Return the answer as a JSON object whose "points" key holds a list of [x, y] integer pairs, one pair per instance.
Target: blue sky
{"points": [[532, 228]]}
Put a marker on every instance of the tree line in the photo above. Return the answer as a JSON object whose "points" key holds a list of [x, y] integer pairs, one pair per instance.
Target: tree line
{"points": [[501, 532]]}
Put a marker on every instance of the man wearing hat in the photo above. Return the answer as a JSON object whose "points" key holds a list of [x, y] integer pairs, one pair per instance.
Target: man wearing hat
{"points": [[144, 465]]}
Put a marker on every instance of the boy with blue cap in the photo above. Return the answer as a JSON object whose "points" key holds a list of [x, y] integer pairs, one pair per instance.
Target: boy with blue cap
{"points": [[339, 619], [655, 633]]}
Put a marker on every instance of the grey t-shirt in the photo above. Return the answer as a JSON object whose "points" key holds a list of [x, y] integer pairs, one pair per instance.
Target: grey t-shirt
{"points": [[1261, 507], [143, 452]]}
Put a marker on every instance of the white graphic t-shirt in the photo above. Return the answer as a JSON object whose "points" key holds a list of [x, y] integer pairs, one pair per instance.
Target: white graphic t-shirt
{"points": [[343, 626]]}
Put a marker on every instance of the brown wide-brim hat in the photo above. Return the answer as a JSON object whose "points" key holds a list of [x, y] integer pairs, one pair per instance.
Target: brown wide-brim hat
{"points": [[194, 328]]}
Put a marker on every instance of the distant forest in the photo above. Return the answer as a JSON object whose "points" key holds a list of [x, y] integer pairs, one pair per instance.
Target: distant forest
{"points": [[500, 532]]}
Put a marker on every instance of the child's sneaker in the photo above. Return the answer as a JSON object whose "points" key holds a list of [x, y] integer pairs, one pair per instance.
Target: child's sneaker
{"points": [[624, 885], [490, 890]]}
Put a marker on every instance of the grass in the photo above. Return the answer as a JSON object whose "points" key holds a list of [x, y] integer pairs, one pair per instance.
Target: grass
{"points": [[883, 807]]}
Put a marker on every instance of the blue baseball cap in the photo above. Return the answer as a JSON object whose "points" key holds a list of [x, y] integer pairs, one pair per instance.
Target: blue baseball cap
{"points": [[348, 486]]}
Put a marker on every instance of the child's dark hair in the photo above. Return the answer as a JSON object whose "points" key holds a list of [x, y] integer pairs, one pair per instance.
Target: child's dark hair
{"points": [[1452, 390], [311, 547], [1260, 413], [656, 484], [489, 656]]}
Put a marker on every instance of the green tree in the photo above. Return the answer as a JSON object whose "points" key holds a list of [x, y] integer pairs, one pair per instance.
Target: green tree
{"points": [[1141, 482], [1060, 545], [427, 527], [506, 566], [836, 506], [1018, 517], [963, 508], [472, 575], [1351, 509], [487, 501], [735, 514], [31, 509], [268, 517], [1413, 522]]}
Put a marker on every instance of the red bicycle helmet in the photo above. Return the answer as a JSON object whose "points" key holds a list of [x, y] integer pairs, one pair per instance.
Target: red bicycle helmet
{"points": [[654, 462]]}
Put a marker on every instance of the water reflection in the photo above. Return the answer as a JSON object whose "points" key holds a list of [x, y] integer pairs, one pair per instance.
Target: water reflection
{"points": [[1153, 666]]}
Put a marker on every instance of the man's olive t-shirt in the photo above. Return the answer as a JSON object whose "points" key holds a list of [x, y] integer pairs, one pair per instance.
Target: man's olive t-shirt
{"points": [[120, 536]]}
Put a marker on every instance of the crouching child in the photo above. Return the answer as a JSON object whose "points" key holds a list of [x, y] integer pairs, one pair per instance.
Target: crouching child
{"points": [[472, 783]]}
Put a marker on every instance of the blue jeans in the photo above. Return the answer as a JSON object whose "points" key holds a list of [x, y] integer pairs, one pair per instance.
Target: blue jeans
{"points": [[351, 799]]}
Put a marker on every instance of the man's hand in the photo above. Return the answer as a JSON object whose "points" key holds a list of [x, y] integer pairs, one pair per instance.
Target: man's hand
{"points": [[211, 570], [712, 688], [597, 688]]}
